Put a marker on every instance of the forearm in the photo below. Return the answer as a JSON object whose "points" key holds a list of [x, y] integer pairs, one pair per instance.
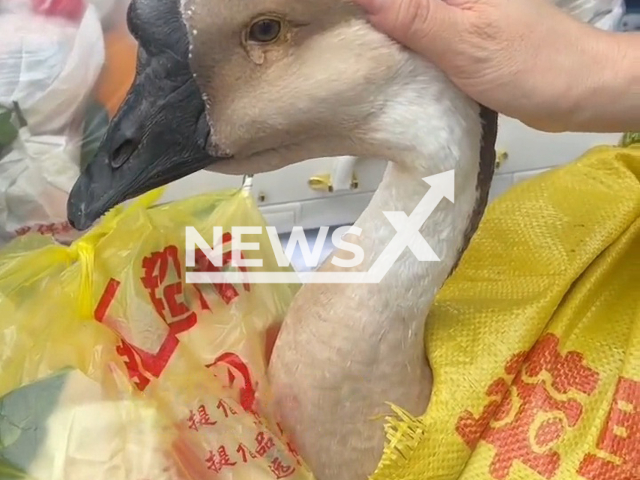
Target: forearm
{"points": [[605, 95]]}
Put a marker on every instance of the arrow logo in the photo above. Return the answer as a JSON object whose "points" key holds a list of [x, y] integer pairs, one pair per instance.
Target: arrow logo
{"points": [[408, 228], [407, 236]]}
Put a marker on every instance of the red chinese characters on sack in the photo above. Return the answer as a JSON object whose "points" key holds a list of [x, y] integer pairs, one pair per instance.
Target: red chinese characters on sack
{"points": [[619, 438], [228, 292], [135, 372], [524, 421], [246, 453], [291, 449], [219, 459], [279, 469], [168, 301], [238, 376], [167, 298], [227, 410], [265, 444], [162, 280], [58, 228], [140, 364], [200, 418]]}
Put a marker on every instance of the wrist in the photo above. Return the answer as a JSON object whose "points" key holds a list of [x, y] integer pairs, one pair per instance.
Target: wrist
{"points": [[567, 70], [606, 94]]}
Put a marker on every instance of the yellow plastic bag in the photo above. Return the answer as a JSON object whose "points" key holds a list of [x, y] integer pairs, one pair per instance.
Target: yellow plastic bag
{"points": [[535, 340], [112, 367]]}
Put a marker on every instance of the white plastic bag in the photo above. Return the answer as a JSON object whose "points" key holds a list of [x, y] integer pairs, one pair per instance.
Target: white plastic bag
{"points": [[98, 431], [51, 55], [36, 177], [48, 65]]}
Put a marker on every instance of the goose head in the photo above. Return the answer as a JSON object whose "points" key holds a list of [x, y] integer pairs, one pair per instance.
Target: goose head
{"points": [[250, 87]]}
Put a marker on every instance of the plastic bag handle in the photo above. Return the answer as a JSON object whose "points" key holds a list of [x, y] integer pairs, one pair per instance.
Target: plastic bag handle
{"points": [[83, 249]]}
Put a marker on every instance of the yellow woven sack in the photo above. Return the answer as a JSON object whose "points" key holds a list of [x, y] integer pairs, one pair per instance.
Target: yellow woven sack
{"points": [[535, 340], [111, 367]]}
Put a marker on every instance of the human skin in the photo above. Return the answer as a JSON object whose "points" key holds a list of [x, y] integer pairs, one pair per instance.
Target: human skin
{"points": [[526, 59]]}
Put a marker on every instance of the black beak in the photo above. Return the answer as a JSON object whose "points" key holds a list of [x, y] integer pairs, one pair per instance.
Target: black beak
{"points": [[160, 133]]}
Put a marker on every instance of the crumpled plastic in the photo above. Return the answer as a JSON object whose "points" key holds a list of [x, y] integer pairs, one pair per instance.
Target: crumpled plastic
{"points": [[36, 177], [65, 67], [112, 367], [49, 65]]}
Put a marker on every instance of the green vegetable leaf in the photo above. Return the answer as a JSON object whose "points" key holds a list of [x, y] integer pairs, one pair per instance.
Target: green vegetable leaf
{"points": [[8, 131], [9, 472], [630, 138]]}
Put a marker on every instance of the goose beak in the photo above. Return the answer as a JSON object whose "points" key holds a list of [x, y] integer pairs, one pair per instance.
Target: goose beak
{"points": [[159, 135]]}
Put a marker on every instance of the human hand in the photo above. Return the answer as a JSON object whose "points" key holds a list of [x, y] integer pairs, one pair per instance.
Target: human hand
{"points": [[522, 58]]}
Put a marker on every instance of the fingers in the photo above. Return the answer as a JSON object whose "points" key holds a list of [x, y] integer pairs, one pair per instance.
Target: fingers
{"points": [[426, 26]]}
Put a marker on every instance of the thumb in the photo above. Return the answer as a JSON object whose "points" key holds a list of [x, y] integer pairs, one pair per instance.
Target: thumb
{"points": [[425, 26]]}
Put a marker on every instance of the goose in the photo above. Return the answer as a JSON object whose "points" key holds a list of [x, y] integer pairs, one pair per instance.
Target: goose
{"points": [[251, 87]]}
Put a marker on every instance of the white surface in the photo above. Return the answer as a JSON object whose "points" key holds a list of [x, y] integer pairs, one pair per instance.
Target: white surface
{"points": [[288, 199], [529, 149], [342, 174]]}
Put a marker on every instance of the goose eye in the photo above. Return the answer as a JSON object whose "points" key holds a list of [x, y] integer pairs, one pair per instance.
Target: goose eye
{"points": [[265, 30]]}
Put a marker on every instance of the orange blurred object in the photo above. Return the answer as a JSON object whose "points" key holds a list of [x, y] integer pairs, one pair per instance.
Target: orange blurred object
{"points": [[119, 69]]}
